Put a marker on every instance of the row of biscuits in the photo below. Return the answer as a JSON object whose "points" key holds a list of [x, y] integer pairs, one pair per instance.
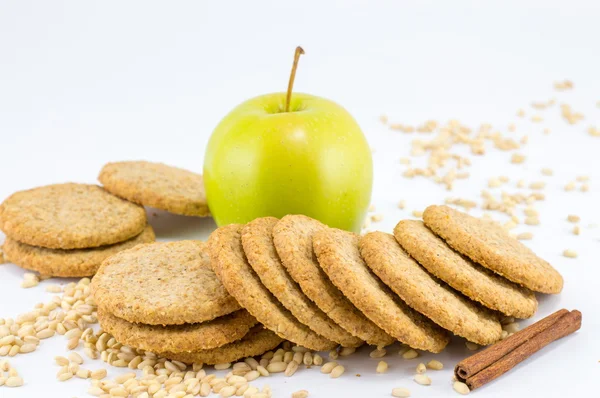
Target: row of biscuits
{"points": [[317, 287], [67, 230]]}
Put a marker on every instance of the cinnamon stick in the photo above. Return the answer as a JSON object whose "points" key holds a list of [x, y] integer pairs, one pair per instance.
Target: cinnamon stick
{"points": [[499, 358]]}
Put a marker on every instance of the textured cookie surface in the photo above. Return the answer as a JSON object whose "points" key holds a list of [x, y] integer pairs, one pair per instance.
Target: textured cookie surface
{"points": [[162, 284], [423, 293], [339, 256], [179, 338], [68, 263], [491, 246], [230, 264], [256, 342], [293, 236], [156, 185], [70, 216], [474, 281], [257, 241]]}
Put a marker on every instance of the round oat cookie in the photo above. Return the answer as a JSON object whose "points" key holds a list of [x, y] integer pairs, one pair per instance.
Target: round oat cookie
{"points": [[70, 216], [229, 262], [156, 185], [491, 246], [179, 338], [474, 281], [258, 341], [162, 284], [340, 258], [68, 263], [257, 240], [424, 294], [292, 236]]}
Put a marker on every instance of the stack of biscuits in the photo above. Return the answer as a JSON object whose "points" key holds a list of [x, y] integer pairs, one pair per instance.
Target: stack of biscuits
{"points": [[67, 230], [165, 298], [253, 286]]}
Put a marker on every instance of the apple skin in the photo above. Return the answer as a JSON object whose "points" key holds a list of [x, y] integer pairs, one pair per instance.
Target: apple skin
{"points": [[313, 160]]}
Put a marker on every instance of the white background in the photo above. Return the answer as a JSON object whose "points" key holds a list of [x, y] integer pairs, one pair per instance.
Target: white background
{"points": [[83, 83]]}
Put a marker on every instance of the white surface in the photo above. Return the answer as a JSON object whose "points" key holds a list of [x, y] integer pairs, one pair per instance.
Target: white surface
{"points": [[84, 83]]}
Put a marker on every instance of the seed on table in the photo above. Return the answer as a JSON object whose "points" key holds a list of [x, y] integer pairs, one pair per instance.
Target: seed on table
{"points": [[26, 348], [14, 381], [421, 368], [378, 353], [300, 394], [317, 360], [569, 253], [511, 327], [471, 346], [346, 351], [252, 375], [382, 367], [400, 392], [252, 363], [75, 357], [65, 376], [276, 367], [83, 373], [525, 236], [461, 388], [95, 391], [98, 374], [410, 354], [298, 357], [435, 365], [333, 355], [124, 377], [573, 218], [14, 350], [337, 372], [291, 368], [263, 371], [250, 392], [422, 379], [328, 367], [227, 392], [308, 358]]}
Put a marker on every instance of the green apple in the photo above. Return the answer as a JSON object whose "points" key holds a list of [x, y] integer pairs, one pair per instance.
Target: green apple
{"points": [[280, 154]]}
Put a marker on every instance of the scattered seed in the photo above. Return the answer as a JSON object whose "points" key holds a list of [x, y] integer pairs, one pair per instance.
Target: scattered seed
{"points": [[276, 367], [14, 381], [525, 236], [382, 367], [576, 230], [337, 372], [517, 158], [291, 368], [328, 367], [400, 392], [471, 346], [461, 388], [421, 368], [573, 218], [417, 213], [263, 371], [570, 253], [435, 365], [410, 354], [300, 394], [378, 353], [222, 366], [402, 204], [422, 379], [317, 360]]}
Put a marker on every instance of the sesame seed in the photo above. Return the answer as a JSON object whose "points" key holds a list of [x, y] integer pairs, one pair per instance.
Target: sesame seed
{"points": [[337, 372], [400, 392], [382, 367], [328, 367], [410, 354], [421, 368], [570, 253], [435, 365]]}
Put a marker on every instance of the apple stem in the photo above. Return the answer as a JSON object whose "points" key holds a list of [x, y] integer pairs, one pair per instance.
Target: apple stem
{"points": [[288, 99]]}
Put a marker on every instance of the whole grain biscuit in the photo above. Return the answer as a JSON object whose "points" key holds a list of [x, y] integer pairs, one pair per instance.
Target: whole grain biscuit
{"points": [[69, 263], [474, 281], [162, 284], [491, 246], [424, 294], [292, 237], [70, 216], [256, 342], [156, 185], [340, 258], [229, 262], [179, 338], [257, 241]]}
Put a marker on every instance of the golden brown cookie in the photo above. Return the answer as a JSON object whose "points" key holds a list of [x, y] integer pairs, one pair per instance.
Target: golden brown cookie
{"points": [[256, 342], [156, 185], [424, 294], [491, 246], [472, 280], [257, 240], [179, 338], [162, 284], [340, 258], [69, 263], [292, 237], [229, 262], [70, 216]]}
